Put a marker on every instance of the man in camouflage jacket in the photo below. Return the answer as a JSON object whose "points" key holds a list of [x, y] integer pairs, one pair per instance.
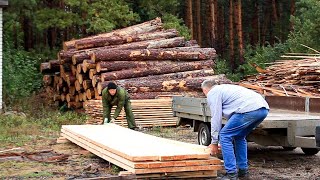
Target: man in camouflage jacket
{"points": [[115, 95]]}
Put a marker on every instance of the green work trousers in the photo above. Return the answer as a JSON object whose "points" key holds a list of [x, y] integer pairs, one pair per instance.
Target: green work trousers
{"points": [[129, 114]]}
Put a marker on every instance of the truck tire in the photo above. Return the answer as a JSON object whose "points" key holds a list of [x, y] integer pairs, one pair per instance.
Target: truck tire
{"points": [[318, 136], [286, 148], [310, 151], [204, 136]]}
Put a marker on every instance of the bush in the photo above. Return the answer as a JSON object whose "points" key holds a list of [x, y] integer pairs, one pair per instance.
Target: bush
{"points": [[306, 26], [21, 74]]}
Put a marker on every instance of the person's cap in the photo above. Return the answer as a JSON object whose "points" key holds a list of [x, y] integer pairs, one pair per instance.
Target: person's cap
{"points": [[112, 85]]}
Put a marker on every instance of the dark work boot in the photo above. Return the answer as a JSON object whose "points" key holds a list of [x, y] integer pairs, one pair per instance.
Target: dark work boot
{"points": [[229, 176], [243, 173]]}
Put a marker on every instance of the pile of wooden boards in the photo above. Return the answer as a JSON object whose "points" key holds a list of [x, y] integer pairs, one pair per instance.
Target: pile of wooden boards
{"points": [[288, 78], [142, 154], [147, 112], [145, 59]]}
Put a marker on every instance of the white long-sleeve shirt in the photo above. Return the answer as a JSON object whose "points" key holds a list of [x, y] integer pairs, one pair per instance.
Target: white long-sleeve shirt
{"points": [[227, 99]]}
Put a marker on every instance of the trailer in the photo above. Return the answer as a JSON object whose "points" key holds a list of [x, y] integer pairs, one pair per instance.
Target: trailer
{"points": [[292, 122]]}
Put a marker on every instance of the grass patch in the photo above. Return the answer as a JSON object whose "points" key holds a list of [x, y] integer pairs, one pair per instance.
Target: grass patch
{"points": [[30, 119]]}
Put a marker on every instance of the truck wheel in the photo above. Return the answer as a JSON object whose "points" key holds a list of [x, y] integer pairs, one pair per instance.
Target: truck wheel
{"points": [[204, 136], [286, 148], [310, 151]]}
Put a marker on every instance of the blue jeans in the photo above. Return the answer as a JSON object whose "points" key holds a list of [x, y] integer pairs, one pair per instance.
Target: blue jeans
{"points": [[235, 131]]}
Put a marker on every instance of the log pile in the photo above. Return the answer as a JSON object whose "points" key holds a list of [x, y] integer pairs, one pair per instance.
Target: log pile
{"points": [[144, 155], [287, 78], [145, 59]]}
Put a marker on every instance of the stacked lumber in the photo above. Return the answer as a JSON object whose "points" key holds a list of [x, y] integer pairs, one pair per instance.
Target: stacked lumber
{"points": [[147, 112], [145, 59], [138, 153], [287, 78]]}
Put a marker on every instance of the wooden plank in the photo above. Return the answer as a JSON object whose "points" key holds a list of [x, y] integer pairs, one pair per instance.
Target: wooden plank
{"points": [[146, 167], [172, 175], [163, 150]]}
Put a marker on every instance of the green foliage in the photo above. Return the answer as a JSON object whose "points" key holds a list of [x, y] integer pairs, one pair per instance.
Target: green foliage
{"points": [[102, 19], [21, 74], [170, 21], [261, 56], [150, 9], [306, 26], [55, 18]]}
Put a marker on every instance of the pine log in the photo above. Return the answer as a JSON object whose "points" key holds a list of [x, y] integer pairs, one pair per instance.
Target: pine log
{"points": [[88, 64], [69, 98], [105, 66], [72, 90], [79, 68], [185, 53], [78, 86], [90, 93], [118, 39], [45, 68], [70, 79], [54, 65], [151, 44], [47, 80], [92, 72], [164, 69], [145, 27], [170, 76], [87, 84], [177, 85], [96, 79]]}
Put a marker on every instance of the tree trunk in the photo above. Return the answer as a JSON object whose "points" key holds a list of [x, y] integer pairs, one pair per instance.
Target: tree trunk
{"points": [[254, 36], [231, 36], [154, 54], [198, 15], [292, 12], [156, 70], [149, 26], [189, 19], [238, 8], [79, 56], [117, 39], [213, 23]]}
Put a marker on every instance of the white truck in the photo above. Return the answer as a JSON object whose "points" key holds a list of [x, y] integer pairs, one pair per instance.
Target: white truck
{"points": [[292, 122]]}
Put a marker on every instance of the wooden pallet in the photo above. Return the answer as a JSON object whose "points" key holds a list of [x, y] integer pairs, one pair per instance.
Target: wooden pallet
{"points": [[140, 153]]}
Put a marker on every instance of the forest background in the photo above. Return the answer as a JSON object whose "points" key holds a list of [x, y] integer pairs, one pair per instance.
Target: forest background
{"points": [[242, 32]]}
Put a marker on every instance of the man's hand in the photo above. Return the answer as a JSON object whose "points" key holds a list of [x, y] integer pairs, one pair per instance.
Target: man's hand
{"points": [[214, 149], [105, 121]]}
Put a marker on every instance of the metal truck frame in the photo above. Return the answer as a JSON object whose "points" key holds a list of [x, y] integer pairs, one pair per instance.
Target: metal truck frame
{"points": [[292, 122]]}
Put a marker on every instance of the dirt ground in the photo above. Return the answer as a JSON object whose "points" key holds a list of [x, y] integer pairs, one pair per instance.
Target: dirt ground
{"points": [[265, 162]]}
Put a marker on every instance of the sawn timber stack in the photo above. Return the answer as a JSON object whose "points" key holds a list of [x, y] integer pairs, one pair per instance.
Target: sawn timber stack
{"points": [[139, 154]]}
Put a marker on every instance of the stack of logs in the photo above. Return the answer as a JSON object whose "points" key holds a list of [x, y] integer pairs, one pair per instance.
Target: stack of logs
{"points": [[145, 59], [287, 78]]}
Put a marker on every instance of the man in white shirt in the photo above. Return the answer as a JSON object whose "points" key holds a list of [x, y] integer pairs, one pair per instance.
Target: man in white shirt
{"points": [[244, 110]]}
